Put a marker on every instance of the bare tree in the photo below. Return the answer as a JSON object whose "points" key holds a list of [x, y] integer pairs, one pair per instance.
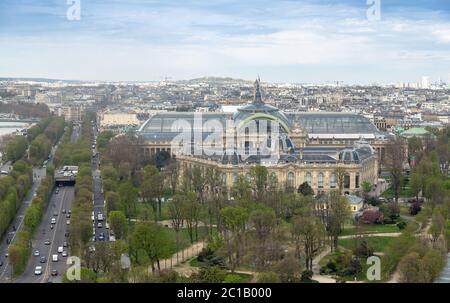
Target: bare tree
{"points": [[394, 159]]}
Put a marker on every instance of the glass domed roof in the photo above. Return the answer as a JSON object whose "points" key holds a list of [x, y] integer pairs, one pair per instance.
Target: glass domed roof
{"points": [[258, 110]]}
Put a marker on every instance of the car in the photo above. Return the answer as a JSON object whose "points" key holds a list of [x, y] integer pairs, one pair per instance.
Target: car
{"points": [[64, 254], [107, 225], [47, 242], [93, 218], [67, 215], [42, 259], [55, 258], [66, 234], [63, 211], [65, 244], [68, 222], [38, 270], [53, 221], [56, 191], [99, 225], [101, 237], [54, 272], [36, 253], [6, 255], [60, 249], [70, 212]]}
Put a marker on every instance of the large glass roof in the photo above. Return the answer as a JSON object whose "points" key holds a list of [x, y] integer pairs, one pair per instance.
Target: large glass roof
{"points": [[312, 123]]}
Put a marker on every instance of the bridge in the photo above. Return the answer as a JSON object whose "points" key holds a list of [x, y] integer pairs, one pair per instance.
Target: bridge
{"points": [[28, 120], [66, 176]]}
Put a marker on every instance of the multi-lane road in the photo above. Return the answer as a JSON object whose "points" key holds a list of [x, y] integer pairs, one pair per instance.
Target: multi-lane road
{"points": [[48, 237]]}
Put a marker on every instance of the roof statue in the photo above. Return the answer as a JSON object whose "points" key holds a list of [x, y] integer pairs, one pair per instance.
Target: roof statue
{"points": [[258, 98]]}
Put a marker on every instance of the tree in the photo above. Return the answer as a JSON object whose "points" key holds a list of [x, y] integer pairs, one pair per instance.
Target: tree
{"points": [[151, 189], [263, 222], [259, 177], [177, 214], [268, 277], [415, 146], [415, 184], [338, 211], [192, 215], [367, 188], [16, 148], [118, 223], [309, 235], [234, 220], [409, 268], [151, 240], [128, 197], [394, 160], [340, 176], [305, 189], [435, 191]]}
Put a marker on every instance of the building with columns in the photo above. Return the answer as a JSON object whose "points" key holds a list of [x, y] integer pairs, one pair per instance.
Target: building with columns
{"points": [[323, 149]]}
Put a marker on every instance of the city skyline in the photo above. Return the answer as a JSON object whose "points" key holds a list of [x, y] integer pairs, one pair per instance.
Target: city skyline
{"points": [[284, 41]]}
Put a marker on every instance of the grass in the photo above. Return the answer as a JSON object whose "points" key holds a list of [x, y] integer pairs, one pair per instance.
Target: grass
{"points": [[238, 278], [378, 244], [369, 228]]}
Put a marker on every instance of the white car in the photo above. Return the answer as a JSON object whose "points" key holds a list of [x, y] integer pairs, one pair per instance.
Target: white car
{"points": [[53, 221], [68, 222], [38, 270], [55, 258], [36, 253], [60, 249], [64, 254]]}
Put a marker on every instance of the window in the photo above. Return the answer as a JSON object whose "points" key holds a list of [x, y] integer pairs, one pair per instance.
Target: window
{"points": [[333, 181], [308, 178], [357, 181], [320, 180], [347, 181], [290, 179]]}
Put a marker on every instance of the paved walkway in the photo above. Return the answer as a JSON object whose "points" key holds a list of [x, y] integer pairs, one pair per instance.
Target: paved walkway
{"points": [[180, 256]]}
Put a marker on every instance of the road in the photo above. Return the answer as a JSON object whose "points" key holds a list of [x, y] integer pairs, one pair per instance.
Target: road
{"points": [[5, 269], [99, 200], [58, 202]]}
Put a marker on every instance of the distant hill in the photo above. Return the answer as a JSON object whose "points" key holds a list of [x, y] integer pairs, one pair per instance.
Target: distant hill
{"points": [[37, 80], [214, 79]]}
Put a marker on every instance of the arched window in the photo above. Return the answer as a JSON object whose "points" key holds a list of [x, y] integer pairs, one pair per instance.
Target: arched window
{"points": [[333, 181], [290, 179], [308, 178], [320, 180]]}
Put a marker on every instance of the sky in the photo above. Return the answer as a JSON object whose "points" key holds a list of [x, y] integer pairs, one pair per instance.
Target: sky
{"points": [[311, 41]]}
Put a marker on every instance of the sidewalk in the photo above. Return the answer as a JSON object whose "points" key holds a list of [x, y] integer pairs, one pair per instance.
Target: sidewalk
{"points": [[180, 256]]}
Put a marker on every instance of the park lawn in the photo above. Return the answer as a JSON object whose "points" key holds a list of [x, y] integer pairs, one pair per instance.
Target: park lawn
{"points": [[369, 229], [237, 278], [378, 244]]}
